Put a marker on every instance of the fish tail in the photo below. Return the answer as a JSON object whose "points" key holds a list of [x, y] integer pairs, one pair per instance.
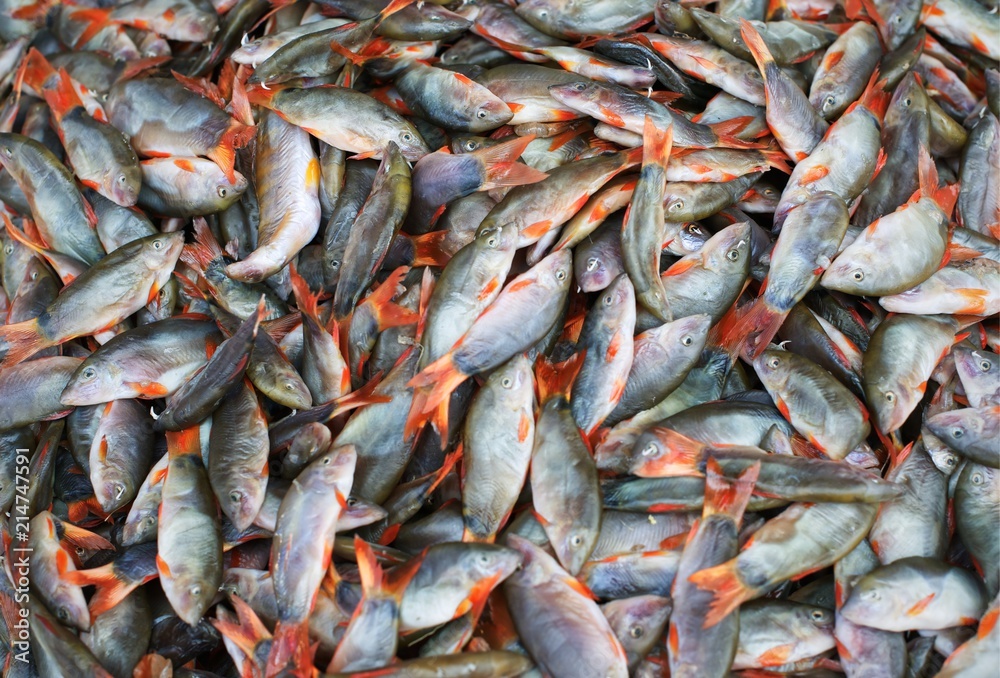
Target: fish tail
{"points": [[95, 17], [184, 442], [501, 167], [62, 97], [134, 68], [205, 249], [875, 98], [944, 196], [727, 587], [290, 649], [656, 143], [33, 12], [392, 8], [387, 313], [237, 135], [37, 71], [633, 156], [726, 131], [77, 536], [777, 159], [726, 496], [307, 299], [432, 390], [22, 340], [111, 589], [555, 379], [753, 328], [758, 48], [428, 251], [248, 633]]}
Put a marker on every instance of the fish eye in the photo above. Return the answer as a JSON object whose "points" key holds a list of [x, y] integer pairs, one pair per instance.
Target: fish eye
{"points": [[675, 206], [818, 616], [542, 13], [484, 559], [6, 151], [957, 433], [985, 365], [687, 340], [898, 18], [150, 520], [334, 264], [649, 450], [80, 551], [223, 192], [195, 590], [63, 614], [733, 255], [693, 229], [768, 191], [34, 275], [576, 540], [773, 363], [407, 137], [158, 244], [506, 382], [326, 461], [830, 101], [352, 501], [481, 114], [89, 373], [470, 145], [907, 101], [9, 249], [289, 386], [977, 478], [873, 595], [592, 263], [235, 496], [122, 179], [608, 299], [119, 490], [636, 631], [579, 86], [560, 275], [858, 275], [890, 397], [491, 241]]}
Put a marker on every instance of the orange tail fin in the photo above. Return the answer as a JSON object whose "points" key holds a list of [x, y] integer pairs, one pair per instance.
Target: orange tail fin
{"points": [[110, 589], [754, 329], [236, 136], [21, 341], [556, 379], [205, 249], [435, 384], [728, 588], [758, 48], [290, 650], [386, 313], [502, 168], [656, 143], [37, 72], [428, 251], [729, 497], [97, 19]]}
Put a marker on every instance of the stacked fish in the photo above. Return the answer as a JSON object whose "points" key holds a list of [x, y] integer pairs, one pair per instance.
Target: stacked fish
{"points": [[678, 357]]}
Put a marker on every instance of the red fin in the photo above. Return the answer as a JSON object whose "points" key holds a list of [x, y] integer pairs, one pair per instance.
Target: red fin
{"points": [[754, 328], [875, 98], [428, 251], [777, 159], [680, 457], [728, 589], [186, 442], [110, 589], [205, 249], [656, 143], [304, 297], [236, 136], [290, 648], [756, 45], [387, 313], [96, 18], [726, 496], [557, 379], [201, 86], [21, 340], [920, 605], [988, 623], [432, 391], [681, 266], [579, 587], [62, 97], [832, 58], [775, 656], [502, 168]]}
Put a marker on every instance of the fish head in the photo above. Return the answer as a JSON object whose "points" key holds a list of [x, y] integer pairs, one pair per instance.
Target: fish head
{"points": [[140, 526], [491, 113], [852, 272], [619, 295], [489, 564], [649, 455], [242, 501], [410, 143], [973, 364], [890, 402], [113, 487], [577, 94], [980, 480], [638, 622], [92, 383], [690, 239], [189, 590], [773, 369], [957, 427], [556, 270], [729, 250], [688, 334], [123, 186], [535, 563]]}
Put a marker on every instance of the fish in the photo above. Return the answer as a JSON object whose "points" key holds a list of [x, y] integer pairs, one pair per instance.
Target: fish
{"points": [[394, 338]]}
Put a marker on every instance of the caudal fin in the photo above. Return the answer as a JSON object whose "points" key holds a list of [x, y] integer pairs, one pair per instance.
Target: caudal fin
{"points": [[656, 143], [205, 248], [727, 587], [21, 341], [290, 650], [758, 48], [502, 168], [428, 249], [386, 313], [435, 384], [111, 589], [556, 379], [726, 496], [753, 329], [236, 136]]}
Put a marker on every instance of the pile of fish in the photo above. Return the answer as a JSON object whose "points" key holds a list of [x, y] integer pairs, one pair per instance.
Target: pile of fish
{"points": [[677, 357]]}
